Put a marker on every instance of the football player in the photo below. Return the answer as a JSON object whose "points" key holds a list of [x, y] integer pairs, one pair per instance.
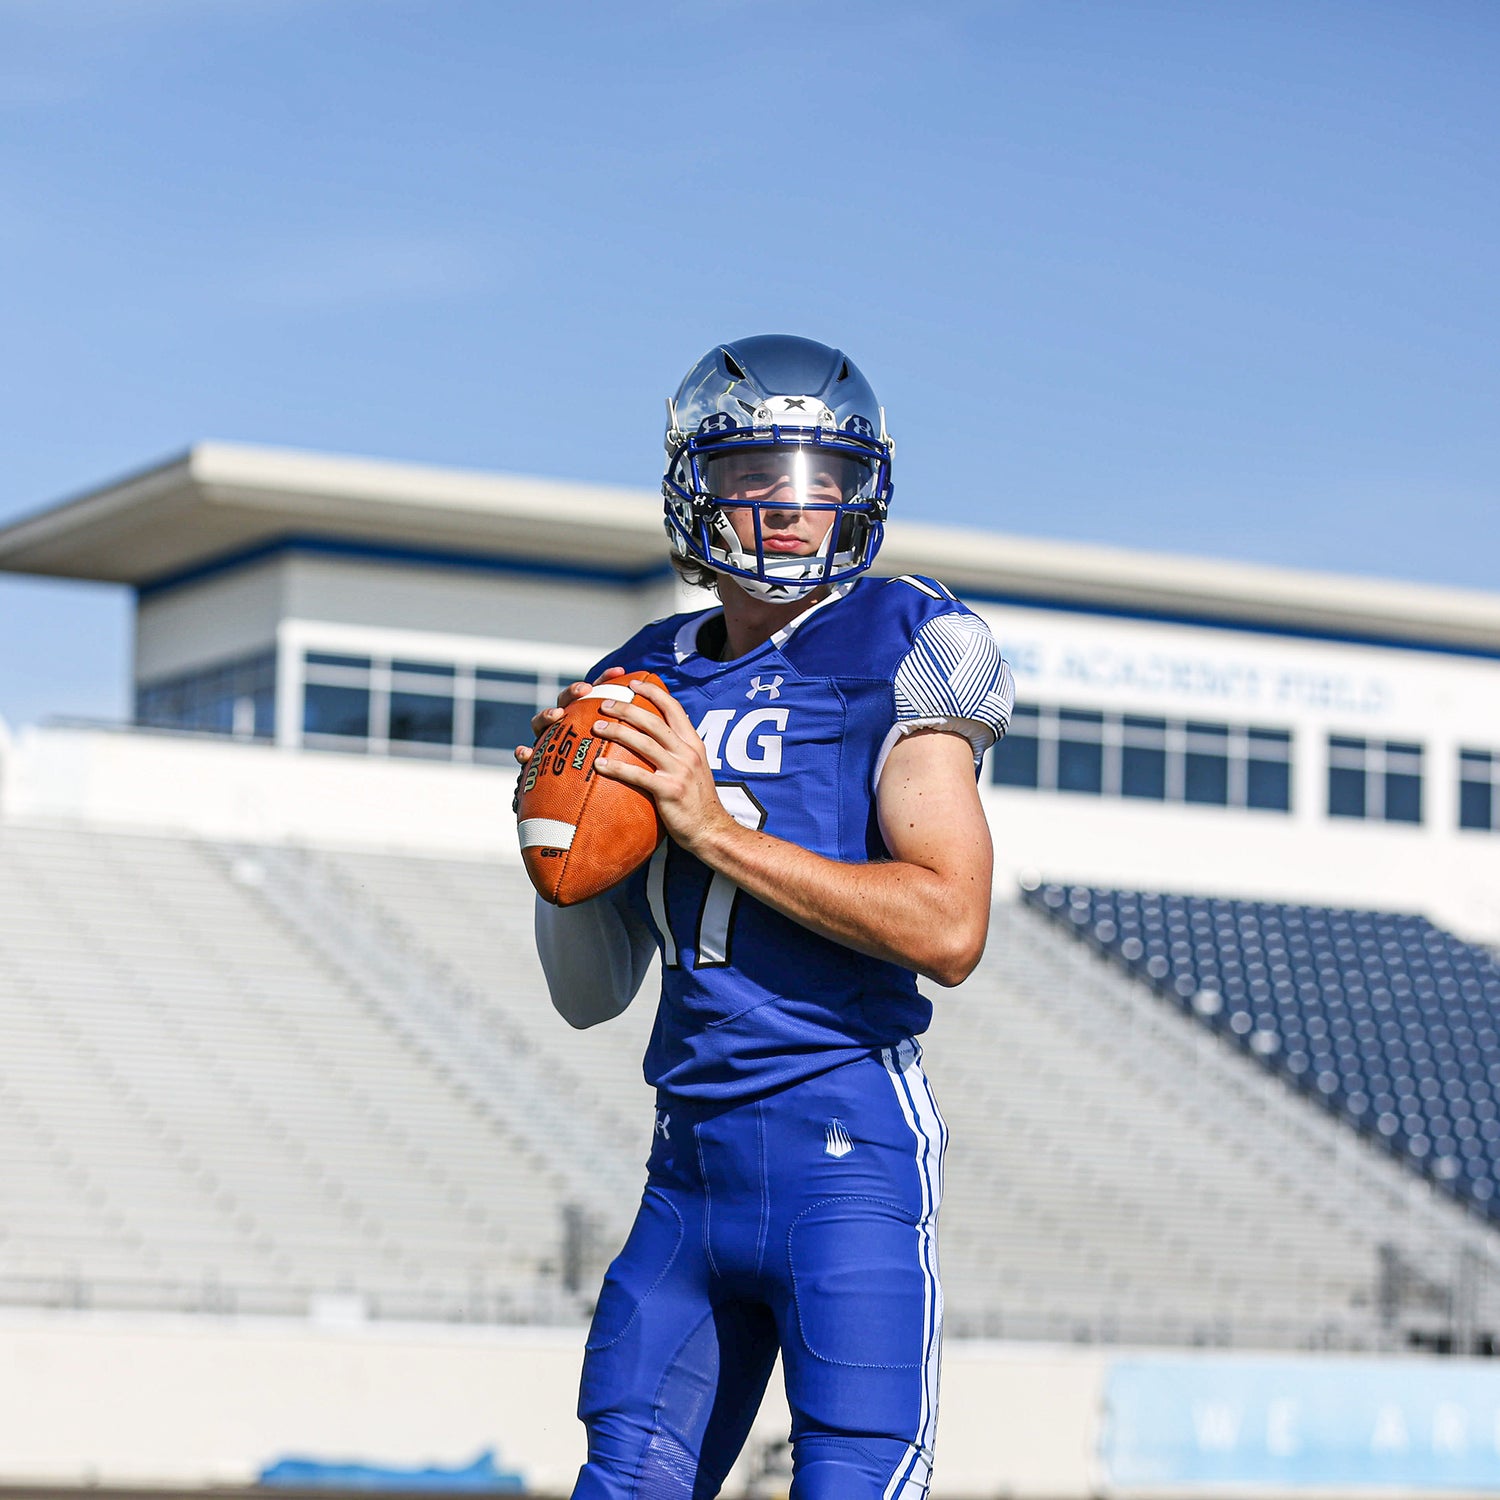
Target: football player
{"points": [[815, 774]]}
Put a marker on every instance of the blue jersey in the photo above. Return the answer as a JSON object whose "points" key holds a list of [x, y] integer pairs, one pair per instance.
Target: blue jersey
{"points": [[797, 733]]}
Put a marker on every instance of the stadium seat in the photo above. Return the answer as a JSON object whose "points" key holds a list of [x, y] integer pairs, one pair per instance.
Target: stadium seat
{"points": [[1385, 1021]]}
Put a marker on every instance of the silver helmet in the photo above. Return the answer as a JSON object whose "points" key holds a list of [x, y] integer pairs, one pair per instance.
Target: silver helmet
{"points": [[776, 426]]}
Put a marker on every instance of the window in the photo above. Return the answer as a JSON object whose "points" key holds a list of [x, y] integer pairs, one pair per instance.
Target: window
{"points": [[1143, 758], [1089, 752], [420, 714], [1268, 769], [421, 719], [1403, 783], [1346, 777], [236, 697], [500, 727], [342, 711], [423, 669], [1080, 751], [504, 702], [1478, 782], [1014, 762], [337, 701], [1379, 780], [331, 659], [431, 709], [1206, 765]]}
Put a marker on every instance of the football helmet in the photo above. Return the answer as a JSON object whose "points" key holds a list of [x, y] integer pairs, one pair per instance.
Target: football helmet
{"points": [[772, 426]]}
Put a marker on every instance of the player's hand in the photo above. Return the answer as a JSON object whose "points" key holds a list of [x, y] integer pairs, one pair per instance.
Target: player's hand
{"points": [[540, 722], [570, 694], [679, 780]]}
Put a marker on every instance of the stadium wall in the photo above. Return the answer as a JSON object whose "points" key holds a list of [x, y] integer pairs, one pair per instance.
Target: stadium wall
{"points": [[193, 1403], [207, 787]]}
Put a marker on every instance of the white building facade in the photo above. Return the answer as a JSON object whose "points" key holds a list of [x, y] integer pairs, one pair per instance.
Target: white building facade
{"points": [[347, 650]]}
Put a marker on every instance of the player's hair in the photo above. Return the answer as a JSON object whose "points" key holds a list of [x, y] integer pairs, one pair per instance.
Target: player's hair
{"points": [[694, 573]]}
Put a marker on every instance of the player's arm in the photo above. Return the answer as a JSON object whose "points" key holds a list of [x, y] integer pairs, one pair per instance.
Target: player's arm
{"points": [[926, 908], [594, 955]]}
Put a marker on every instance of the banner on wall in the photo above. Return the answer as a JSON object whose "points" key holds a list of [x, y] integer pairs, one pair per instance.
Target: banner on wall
{"points": [[1308, 1423]]}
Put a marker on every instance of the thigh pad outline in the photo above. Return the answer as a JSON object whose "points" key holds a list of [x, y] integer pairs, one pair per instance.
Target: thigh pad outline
{"points": [[638, 1270], [862, 1291]]}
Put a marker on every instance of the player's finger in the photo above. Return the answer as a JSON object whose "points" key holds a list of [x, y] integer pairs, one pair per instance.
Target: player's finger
{"points": [[622, 770], [580, 689], [540, 721], [672, 711], [632, 739], [642, 719], [523, 753]]}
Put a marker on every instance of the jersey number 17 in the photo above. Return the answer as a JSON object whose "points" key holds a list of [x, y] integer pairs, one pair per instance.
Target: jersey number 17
{"points": [[711, 945]]}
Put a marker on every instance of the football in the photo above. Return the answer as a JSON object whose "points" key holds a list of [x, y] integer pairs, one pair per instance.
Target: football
{"points": [[582, 833]]}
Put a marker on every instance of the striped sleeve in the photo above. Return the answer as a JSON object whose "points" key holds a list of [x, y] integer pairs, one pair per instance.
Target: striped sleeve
{"points": [[955, 678]]}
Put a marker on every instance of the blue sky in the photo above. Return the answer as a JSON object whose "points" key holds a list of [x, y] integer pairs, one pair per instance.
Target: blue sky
{"points": [[1201, 277]]}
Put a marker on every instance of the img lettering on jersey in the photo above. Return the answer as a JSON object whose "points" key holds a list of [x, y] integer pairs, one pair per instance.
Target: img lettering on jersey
{"points": [[750, 745]]}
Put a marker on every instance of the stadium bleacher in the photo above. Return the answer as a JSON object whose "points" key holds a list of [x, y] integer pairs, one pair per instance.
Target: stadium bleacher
{"points": [[261, 1079], [198, 1113], [1203, 1201], [1388, 1022]]}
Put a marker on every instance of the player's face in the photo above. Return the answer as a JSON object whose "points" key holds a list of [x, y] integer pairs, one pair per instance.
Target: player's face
{"points": [[783, 481]]}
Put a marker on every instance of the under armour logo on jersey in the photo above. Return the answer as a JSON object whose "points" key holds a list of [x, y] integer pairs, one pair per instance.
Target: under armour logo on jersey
{"points": [[838, 1142], [771, 689], [663, 1121]]}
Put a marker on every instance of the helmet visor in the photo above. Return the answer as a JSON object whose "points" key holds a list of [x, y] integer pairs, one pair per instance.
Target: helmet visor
{"points": [[790, 475]]}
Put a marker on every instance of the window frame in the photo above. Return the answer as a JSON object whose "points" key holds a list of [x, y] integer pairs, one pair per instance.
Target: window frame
{"points": [[388, 676], [1485, 768], [208, 699], [1048, 727], [1377, 763]]}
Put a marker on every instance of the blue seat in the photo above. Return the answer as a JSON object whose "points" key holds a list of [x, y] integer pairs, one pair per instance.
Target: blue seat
{"points": [[1391, 1023]]}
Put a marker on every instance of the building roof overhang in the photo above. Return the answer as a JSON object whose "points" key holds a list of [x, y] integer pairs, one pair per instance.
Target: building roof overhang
{"points": [[219, 500]]}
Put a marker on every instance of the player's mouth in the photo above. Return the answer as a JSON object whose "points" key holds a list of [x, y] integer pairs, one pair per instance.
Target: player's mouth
{"points": [[785, 543]]}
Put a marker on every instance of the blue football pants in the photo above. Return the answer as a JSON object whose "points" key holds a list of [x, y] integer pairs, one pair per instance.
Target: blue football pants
{"points": [[802, 1222]]}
